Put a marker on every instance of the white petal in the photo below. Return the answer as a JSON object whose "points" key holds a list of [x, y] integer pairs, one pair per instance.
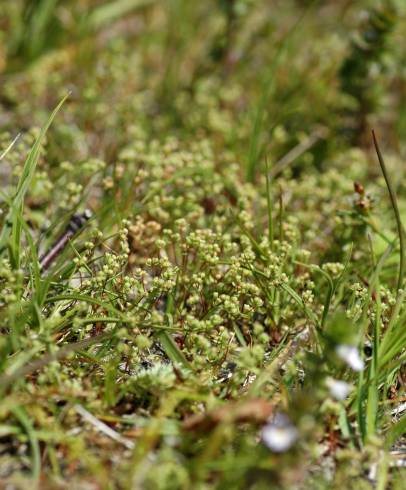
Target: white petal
{"points": [[280, 434], [338, 389], [350, 355]]}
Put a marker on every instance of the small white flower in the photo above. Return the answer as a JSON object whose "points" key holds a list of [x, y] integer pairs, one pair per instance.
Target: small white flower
{"points": [[350, 355], [338, 389], [279, 434]]}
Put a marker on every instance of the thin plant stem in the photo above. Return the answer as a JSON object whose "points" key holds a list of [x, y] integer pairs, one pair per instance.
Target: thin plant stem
{"points": [[394, 203]]}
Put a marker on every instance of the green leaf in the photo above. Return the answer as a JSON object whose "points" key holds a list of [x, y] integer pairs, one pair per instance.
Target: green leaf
{"points": [[397, 430], [25, 422], [111, 11], [11, 233], [172, 350]]}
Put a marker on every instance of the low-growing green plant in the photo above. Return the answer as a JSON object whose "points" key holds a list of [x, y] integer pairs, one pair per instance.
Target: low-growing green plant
{"points": [[201, 279]]}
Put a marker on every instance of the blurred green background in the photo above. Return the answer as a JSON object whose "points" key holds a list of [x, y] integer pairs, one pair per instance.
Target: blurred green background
{"points": [[259, 76]]}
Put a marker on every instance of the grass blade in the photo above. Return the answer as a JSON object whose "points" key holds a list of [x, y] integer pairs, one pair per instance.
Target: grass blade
{"points": [[394, 203], [13, 225], [23, 419], [111, 11], [396, 431], [269, 202], [10, 146]]}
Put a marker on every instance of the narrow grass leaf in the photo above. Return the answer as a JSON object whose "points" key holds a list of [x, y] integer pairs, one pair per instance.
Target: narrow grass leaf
{"points": [[396, 212], [25, 422], [13, 223]]}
